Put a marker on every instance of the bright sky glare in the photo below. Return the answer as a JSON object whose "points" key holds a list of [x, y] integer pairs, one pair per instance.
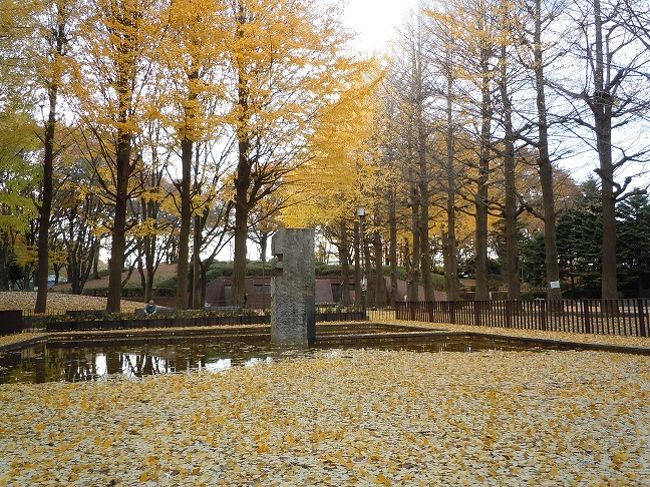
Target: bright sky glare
{"points": [[375, 21]]}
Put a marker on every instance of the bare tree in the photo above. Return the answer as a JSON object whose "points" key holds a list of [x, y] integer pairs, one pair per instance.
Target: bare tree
{"points": [[611, 96], [410, 87]]}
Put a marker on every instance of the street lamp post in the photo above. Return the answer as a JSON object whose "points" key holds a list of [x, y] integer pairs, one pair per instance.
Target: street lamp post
{"points": [[361, 213]]}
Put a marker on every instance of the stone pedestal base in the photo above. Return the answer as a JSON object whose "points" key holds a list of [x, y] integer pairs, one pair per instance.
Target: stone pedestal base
{"points": [[293, 308]]}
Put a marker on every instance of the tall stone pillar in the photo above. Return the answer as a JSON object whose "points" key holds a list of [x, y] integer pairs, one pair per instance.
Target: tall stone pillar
{"points": [[293, 288]]}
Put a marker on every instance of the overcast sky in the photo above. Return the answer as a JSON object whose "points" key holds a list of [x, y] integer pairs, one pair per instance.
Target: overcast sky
{"points": [[375, 20]]}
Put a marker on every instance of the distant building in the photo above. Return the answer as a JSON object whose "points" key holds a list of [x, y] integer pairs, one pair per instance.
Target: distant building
{"points": [[258, 291]]}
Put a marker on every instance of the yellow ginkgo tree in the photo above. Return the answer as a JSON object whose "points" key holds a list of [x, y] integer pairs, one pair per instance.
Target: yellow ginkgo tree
{"points": [[326, 188], [112, 71], [189, 58], [341, 170], [285, 62]]}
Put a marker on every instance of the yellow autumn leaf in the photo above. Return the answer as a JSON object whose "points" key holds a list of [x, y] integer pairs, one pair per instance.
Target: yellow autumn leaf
{"points": [[619, 458], [263, 448], [382, 480]]}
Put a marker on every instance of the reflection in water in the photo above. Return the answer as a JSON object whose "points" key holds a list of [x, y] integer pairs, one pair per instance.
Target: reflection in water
{"points": [[219, 365], [74, 362], [84, 361], [100, 364]]}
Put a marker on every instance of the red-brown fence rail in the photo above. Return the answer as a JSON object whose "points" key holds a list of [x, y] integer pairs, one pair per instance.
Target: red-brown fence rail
{"points": [[626, 317]]}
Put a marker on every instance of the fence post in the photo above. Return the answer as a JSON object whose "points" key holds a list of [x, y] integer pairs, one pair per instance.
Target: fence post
{"points": [[477, 313], [452, 312], [587, 317], [542, 313], [508, 314], [643, 330]]}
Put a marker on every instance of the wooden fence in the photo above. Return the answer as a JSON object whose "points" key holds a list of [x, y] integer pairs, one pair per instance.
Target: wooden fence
{"points": [[626, 317]]}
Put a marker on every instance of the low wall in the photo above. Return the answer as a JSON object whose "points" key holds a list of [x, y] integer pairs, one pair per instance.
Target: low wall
{"points": [[11, 322], [59, 325]]}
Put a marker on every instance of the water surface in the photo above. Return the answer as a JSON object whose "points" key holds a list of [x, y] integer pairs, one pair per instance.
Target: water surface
{"points": [[88, 361]]}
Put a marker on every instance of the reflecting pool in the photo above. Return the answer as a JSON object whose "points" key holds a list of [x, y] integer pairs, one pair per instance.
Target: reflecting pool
{"points": [[101, 360]]}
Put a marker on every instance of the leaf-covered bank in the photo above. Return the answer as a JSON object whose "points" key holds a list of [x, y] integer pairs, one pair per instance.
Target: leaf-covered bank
{"points": [[358, 417]]}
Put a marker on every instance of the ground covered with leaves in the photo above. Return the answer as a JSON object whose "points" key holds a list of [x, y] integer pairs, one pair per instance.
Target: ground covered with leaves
{"points": [[558, 336], [59, 303], [17, 338], [347, 417]]}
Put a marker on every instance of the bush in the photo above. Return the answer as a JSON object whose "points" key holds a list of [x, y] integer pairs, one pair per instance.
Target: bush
{"points": [[254, 268], [167, 284], [163, 292], [533, 294]]}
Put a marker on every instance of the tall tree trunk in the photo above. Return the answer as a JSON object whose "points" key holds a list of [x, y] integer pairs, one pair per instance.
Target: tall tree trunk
{"points": [[413, 291], [143, 278], [357, 264], [425, 247], [392, 221], [510, 209], [87, 265], [482, 189], [95, 272], [149, 210], [148, 290], [72, 273], [367, 270], [423, 190], [4, 264], [26, 276], [380, 282], [609, 278], [197, 303], [150, 264], [450, 252], [239, 264], [204, 281], [344, 252], [242, 200], [190, 287], [264, 241], [545, 166], [125, 74], [602, 110], [118, 234], [45, 210], [187, 153]]}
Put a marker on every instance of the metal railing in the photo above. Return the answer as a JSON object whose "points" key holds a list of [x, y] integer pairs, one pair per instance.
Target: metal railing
{"points": [[625, 317]]}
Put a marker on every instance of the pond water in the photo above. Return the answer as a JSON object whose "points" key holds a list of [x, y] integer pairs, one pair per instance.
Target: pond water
{"points": [[88, 361]]}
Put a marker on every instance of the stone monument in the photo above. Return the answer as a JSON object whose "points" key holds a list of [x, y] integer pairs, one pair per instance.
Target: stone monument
{"points": [[293, 285]]}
